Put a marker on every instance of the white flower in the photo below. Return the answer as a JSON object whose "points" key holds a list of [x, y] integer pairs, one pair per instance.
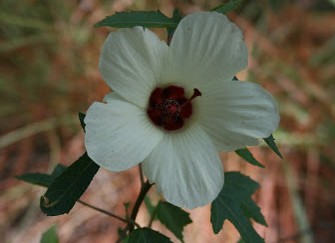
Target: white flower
{"points": [[174, 107]]}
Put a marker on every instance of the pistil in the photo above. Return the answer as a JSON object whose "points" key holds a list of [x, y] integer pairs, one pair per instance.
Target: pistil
{"points": [[168, 107]]}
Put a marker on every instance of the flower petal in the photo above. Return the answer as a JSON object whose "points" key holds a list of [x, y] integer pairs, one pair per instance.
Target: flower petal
{"points": [[186, 168], [130, 63], [235, 114], [119, 135], [205, 47]]}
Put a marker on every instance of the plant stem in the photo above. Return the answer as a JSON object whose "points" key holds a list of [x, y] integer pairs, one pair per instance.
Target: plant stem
{"points": [[144, 190], [128, 221], [145, 187]]}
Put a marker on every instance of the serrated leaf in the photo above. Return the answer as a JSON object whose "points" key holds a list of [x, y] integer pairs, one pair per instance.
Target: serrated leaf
{"points": [[252, 211], [233, 204], [148, 19], [67, 188], [50, 236], [228, 6], [270, 141], [38, 179], [176, 15], [173, 217], [58, 170], [146, 235], [247, 156], [81, 119], [41, 179], [170, 30]]}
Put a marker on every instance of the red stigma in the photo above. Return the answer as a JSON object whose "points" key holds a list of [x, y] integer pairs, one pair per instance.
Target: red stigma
{"points": [[168, 107]]}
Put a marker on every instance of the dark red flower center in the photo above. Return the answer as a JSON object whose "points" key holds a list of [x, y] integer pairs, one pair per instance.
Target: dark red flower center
{"points": [[168, 107]]}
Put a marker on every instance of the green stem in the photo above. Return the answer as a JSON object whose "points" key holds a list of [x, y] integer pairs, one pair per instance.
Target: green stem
{"points": [[128, 221], [144, 190], [145, 187]]}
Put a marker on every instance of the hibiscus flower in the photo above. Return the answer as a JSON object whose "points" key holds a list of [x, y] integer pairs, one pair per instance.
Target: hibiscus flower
{"points": [[174, 107]]}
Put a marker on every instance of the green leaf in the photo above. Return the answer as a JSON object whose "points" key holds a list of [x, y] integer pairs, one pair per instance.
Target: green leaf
{"points": [[67, 188], [58, 170], [170, 30], [173, 217], [176, 16], [81, 119], [146, 235], [228, 6], [38, 179], [247, 156], [50, 236], [41, 179], [148, 19], [270, 141], [150, 207], [254, 212], [235, 204]]}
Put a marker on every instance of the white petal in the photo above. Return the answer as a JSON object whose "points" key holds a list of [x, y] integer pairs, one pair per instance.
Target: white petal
{"points": [[205, 47], [131, 61], [186, 168], [119, 135], [235, 114]]}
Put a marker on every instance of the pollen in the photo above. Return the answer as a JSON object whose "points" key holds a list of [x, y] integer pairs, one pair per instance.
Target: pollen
{"points": [[169, 108]]}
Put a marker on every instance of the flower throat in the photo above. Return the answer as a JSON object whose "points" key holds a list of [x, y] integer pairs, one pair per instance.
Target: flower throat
{"points": [[168, 107]]}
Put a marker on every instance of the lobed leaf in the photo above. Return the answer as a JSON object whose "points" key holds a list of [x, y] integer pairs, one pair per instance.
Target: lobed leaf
{"points": [[170, 30], [41, 179], [173, 217], [270, 141], [252, 211], [146, 235], [38, 179], [50, 236], [148, 19], [67, 188], [228, 6], [247, 156], [235, 204]]}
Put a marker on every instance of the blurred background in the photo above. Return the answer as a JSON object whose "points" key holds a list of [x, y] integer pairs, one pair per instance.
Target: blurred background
{"points": [[49, 55]]}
